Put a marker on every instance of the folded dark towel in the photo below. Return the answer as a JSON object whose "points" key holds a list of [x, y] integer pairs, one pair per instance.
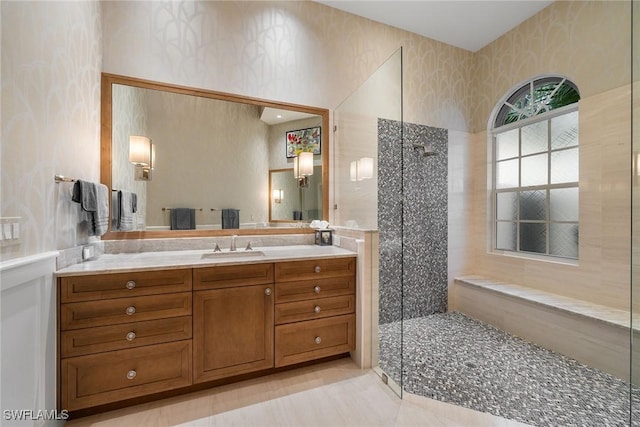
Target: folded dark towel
{"points": [[115, 209], [84, 192], [183, 219], [93, 199], [125, 214], [230, 218]]}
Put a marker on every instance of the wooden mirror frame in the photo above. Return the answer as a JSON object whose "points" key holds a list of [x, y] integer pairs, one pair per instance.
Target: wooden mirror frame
{"points": [[106, 165]]}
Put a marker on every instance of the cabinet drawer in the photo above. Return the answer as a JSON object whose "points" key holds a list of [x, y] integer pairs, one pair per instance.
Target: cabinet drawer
{"points": [[318, 288], [117, 285], [314, 269], [232, 275], [117, 375], [123, 310], [302, 341], [127, 335], [314, 309]]}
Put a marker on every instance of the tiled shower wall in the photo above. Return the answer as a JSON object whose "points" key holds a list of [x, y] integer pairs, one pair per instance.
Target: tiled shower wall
{"points": [[413, 238]]}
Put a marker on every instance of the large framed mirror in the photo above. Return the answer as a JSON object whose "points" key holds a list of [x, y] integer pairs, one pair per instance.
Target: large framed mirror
{"points": [[210, 157]]}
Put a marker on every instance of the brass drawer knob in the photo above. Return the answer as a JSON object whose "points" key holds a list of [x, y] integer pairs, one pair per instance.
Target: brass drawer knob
{"points": [[267, 291], [316, 309], [317, 269], [131, 284], [131, 336], [316, 289], [131, 374], [131, 310], [318, 340]]}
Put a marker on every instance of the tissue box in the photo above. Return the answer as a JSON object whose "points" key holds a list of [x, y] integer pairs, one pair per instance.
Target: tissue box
{"points": [[324, 237]]}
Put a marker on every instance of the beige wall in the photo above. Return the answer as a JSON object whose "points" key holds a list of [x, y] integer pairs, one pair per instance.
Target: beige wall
{"points": [[602, 273], [590, 43], [587, 41], [307, 53], [51, 61]]}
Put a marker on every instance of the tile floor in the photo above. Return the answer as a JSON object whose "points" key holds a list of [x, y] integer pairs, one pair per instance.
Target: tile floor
{"points": [[456, 359], [331, 394]]}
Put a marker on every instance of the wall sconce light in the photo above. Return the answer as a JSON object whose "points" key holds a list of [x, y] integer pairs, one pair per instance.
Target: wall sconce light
{"points": [[303, 168], [139, 150], [142, 154], [278, 196], [361, 169]]}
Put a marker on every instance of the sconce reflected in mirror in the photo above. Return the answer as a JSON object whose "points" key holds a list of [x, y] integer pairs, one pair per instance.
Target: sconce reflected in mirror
{"points": [[142, 154], [277, 195], [361, 169], [303, 168]]}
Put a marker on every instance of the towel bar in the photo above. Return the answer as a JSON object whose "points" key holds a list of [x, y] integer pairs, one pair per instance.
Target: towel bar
{"points": [[61, 178]]}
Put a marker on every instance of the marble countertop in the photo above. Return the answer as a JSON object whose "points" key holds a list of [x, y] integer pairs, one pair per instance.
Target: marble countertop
{"points": [[128, 262]]}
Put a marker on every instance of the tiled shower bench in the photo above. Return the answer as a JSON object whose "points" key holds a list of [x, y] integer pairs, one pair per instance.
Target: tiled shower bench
{"points": [[592, 334]]}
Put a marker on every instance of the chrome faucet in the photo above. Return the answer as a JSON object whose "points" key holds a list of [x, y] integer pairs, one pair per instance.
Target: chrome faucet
{"points": [[233, 243]]}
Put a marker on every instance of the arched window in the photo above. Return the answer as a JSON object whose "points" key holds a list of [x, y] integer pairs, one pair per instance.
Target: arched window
{"points": [[535, 169]]}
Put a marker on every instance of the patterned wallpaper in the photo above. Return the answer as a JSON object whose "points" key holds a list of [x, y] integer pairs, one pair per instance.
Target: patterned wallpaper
{"points": [[51, 62], [295, 51]]}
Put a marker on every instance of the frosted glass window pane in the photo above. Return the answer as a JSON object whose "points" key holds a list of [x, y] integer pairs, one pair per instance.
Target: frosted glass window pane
{"points": [[507, 144], [533, 237], [564, 204], [534, 170], [564, 166], [507, 173], [506, 206], [564, 130], [563, 240], [506, 236], [533, 205], [535, 138]]}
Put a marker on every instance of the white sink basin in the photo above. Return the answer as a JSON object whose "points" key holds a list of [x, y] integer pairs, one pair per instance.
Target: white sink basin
{"points": [[234, 254]]}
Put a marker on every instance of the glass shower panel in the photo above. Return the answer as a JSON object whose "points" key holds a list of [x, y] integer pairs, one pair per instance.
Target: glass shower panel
{"points": [[366, 157], [634, 418]]}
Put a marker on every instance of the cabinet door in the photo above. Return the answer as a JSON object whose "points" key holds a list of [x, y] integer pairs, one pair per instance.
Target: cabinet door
{"points": [[233, 331]]}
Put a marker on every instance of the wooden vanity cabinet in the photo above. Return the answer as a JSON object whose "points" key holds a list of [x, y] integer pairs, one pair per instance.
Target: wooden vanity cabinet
{"points": [[131, 335], [233, 320]]}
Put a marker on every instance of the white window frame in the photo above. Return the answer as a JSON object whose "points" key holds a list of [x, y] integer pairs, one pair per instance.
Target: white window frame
{"points": [[493, 214]]}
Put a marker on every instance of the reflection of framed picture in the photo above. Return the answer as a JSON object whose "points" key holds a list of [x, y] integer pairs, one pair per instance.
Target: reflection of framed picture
{"points": [[303, 140]]}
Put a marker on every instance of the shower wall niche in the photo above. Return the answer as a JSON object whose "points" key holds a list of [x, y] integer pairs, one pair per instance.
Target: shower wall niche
{"points": [[412, 218]]}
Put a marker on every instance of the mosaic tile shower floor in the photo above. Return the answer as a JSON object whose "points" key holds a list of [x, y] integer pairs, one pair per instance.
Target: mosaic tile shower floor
{"points": [[453, 358]]}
